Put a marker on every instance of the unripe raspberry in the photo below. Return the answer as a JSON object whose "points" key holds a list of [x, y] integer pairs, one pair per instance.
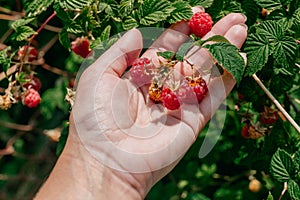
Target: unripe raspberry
{"points": [[200, 24], [32, 98], [81, 46], [27, 53], [255, 185]]}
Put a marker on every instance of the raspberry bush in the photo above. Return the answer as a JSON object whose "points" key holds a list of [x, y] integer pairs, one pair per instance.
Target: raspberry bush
{"points": [[43, 43]]}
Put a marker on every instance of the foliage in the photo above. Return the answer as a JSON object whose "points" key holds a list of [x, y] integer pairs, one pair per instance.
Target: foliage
{"points": [[28, 136]]}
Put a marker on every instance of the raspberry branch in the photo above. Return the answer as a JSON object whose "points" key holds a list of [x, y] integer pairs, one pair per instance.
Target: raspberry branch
{"points": [[277, 104]]}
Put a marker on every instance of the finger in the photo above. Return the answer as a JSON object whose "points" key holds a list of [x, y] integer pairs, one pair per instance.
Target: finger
{"points": [[237, 35], [121, 55], [224, 24]]}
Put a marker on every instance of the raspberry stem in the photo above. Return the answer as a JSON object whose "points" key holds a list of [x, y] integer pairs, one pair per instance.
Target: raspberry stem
{"points": [[277, 104]]}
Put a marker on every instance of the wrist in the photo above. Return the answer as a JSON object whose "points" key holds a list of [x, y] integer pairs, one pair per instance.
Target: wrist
{"points": [[77, 175]]}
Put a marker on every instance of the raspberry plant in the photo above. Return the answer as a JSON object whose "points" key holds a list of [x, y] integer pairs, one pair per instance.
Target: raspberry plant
{"points": [[263, 166]]}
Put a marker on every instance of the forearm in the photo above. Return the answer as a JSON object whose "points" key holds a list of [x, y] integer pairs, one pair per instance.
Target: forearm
{"points": [[77, 175]]}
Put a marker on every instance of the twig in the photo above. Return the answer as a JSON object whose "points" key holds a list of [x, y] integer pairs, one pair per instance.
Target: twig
{"points": [[285, 187], [8, 17], [10, 71], [6, 34], [57, 70], [15, 126], [277, 104]]}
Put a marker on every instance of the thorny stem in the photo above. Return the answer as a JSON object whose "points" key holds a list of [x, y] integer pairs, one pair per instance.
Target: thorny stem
{"points": [[277, 104]]}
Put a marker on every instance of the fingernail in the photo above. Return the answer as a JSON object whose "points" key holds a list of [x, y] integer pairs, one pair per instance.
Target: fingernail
{"points": [[245, 17], [243, 25]]}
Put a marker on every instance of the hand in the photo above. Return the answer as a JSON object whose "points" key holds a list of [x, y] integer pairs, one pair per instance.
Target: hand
{"points": [[120, 144]]}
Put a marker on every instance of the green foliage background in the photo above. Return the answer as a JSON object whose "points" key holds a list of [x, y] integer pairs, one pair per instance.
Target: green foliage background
{"points": [[273, 54]]}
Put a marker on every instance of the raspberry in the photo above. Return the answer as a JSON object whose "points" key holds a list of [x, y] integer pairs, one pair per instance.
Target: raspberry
{"points": [[269, 116], [169, 99], [245, 131], [81, 46], [141, 71], [32, 98], [34, 83], [196, 89], [27, 53], [200, 24]]}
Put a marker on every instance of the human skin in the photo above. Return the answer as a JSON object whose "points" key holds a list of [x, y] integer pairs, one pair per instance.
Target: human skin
{"points": [[80, 174]]}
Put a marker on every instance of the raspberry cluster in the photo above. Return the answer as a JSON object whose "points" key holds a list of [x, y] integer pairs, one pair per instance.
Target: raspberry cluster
{"points": [[163, 88]]}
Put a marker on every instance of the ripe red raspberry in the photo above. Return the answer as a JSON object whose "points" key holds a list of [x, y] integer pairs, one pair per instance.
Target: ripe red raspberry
{"points": [[141, 71], [34, 83], [269, 116], [200, 24], [81, 46], [27, 53], [169, 99], [32, 98], [196, 89], [245, 131]]}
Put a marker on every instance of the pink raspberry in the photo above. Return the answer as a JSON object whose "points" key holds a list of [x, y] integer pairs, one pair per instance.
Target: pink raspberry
{"points": [[32, 98], [169, 99], [195, 90], [141, 71], [200, 24]]}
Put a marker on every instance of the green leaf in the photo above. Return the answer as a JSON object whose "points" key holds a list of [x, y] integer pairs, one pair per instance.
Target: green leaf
{"points": [[270, 196], [281, 166], [74, 4], [129, 23], [183, 50], [284, 51], [271, 29], [296, 17], [24, 32], [182, 11], [215, 38], [197, 196], [203, 3], [153, 11], [269, 4], [228, 57], [258, 50], [62, 139], [36, 7], [293, 190], [64, 38], [169, 55], [61, 12], [105, 33], [21, 22], [126, 7]]}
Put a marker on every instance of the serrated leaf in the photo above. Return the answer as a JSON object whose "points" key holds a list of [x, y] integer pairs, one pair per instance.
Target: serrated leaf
{"points": [[296, 17], [183, 50], [74, 4], [169, 55], [215, 38], [24, 32], [21, 22], [182, 11], [228, 57], [61, 12], [271, 29], [281, 166], [293, 190], [258, 50], [105, 33], [153, 11], [284, 51], [129, 23], [269, 4], [36, 7], [203, 3], [64, 38], [296, 158], [126, 7], [109, 6], [74, 28]]}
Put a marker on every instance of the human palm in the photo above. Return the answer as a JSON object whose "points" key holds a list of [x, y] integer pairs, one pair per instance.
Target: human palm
{"points": [[121, 129]]}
